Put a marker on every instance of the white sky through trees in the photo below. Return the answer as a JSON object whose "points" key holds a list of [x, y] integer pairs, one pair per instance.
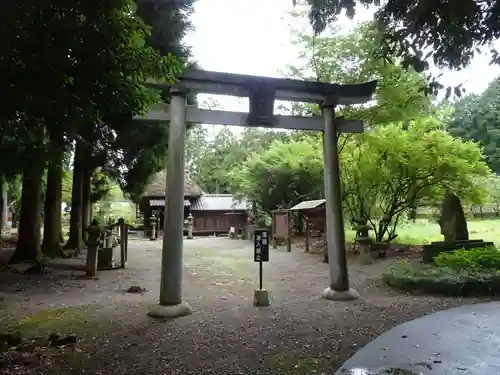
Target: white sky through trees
{"points": [[254, 37]]}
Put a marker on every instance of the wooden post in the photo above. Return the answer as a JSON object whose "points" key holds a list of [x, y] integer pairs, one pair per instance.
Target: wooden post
{"points": [[306, 231], [273, 230], [94, 232], [123, 242], [289, 231]]}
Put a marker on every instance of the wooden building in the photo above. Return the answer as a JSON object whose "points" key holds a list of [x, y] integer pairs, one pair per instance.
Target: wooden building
{"points": [[216, 213], [153, 199], [212, 213]]}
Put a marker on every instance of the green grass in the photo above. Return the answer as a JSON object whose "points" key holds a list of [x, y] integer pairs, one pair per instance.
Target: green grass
{"points": [[291, 364], [60, 320], [424, 231]]}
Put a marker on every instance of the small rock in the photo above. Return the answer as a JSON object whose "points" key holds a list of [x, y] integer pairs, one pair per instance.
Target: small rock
{"points": [[135, 289]]}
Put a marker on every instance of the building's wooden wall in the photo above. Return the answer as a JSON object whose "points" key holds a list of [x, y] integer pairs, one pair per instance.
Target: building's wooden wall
{"points": [[316, 220], [215, 221]]}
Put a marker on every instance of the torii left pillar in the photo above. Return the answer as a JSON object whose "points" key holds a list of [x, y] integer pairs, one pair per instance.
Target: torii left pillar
{"points": [[171, 304]]}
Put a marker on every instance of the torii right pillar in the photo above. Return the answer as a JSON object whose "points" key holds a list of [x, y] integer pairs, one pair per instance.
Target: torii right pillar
{"points": [[339, 289]]}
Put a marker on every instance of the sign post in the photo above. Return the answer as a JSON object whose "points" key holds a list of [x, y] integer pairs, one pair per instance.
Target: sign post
{"points": [[261, 255]]}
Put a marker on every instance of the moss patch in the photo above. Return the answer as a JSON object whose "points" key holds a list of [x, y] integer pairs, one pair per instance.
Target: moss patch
{"points": [[61, 320], [290, 364]]}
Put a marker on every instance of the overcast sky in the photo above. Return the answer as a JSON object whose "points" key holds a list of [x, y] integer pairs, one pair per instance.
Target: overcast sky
{"points": [[254, 37]]}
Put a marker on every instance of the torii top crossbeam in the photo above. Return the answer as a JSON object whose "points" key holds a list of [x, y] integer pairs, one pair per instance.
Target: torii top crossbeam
{"points": [[262, 92], [202, 81]]}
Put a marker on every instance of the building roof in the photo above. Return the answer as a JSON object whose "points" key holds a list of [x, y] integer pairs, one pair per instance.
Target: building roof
{"points": [[308, 205], [218, 202], [157, 187], [161, 203]]}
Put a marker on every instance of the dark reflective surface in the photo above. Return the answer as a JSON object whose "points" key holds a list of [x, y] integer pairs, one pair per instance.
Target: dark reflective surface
{"points": [[464, 340]]}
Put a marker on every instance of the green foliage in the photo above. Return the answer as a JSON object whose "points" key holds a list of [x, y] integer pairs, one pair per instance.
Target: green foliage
{"points": [[100, 186], [477, 118], [451, 34], [112, 204], [67, 184], [101, 60], [348, 58], [210, 161], [418, 164], [143, 147], [169, 22], [414, 165], [14, 195], [283, 175], [410, 277], [473, 259], [492, 185]]}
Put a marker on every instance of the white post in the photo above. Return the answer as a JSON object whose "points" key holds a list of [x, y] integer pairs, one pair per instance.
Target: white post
{"points": [[335, 234], [171, 304]]}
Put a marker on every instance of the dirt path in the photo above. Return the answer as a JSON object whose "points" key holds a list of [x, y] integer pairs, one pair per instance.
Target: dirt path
{"points": [[299, 334]]}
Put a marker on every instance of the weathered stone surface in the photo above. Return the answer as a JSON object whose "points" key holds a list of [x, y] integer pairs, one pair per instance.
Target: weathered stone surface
{"points": [[456, 341], [261, 298], [452, 221]]}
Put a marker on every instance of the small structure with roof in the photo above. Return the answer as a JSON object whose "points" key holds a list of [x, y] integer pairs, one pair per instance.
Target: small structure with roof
{"points": [[153, 199], [313, 219], [212, 213]]}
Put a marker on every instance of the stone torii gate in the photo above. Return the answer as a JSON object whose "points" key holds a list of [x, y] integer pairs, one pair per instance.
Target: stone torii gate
{"points": [[262, 92]]}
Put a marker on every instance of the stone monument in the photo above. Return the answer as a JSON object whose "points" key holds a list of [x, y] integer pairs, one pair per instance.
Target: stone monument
{"points": [[454, 229], [452, 221]]}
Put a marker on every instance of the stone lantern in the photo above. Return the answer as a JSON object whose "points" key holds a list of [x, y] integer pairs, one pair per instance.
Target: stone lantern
{"points": [[364, 241], [153, 222], [190, 219]]}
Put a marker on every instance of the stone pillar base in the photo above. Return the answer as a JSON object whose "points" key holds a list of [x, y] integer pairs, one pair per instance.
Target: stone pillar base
{"points": [[260, 298], [340, 295], [172, 311]]}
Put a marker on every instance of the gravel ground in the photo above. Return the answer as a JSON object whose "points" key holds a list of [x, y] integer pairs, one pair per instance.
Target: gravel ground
{"points": [[299, 334]]}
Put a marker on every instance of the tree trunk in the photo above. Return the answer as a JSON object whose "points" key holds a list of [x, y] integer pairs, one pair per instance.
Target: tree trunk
{"points": [[86, 200], [28, 242], [51, 245], [75, 240], [3, 204]]}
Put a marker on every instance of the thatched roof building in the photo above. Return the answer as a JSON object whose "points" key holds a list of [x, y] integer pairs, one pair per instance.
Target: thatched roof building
{"points": [[157, 187]]}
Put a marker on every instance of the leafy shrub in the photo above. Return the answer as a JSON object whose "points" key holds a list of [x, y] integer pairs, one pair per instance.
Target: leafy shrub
{"points": [[442, 280], [473, 259]]}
